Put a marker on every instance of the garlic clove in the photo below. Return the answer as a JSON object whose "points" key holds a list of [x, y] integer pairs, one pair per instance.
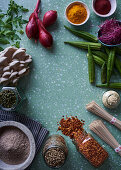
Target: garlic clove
{"points": [[111, 99]]}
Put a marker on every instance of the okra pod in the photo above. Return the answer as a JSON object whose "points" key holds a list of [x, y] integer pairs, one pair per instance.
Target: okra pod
{"points": [[84, 45], [118, 51], [111, 85], [107, 50], [103, 73], [83, 34], [118, 65], [97, 60], [91, 66], [101, 55], [110, 64]]}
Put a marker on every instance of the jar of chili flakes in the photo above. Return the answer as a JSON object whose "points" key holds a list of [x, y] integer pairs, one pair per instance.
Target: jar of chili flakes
{"points": [[55, 151], [90, 148]]}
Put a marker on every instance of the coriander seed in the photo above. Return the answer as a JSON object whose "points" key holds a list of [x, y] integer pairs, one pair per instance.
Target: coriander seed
{"points": [[55, 151]]}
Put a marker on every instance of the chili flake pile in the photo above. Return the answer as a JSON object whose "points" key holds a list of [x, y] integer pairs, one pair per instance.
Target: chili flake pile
{"points": [[70, 125]]}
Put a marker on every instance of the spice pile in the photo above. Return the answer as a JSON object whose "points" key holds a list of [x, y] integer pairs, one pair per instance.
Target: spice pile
{"points": [[70, 125], [14, 145], [102, 7], [86, 145], [8, 98], [77, 14]]}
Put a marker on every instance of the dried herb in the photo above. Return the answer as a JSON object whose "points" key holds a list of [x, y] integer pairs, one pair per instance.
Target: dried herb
{"points": [[11, 23], [7, 98]]}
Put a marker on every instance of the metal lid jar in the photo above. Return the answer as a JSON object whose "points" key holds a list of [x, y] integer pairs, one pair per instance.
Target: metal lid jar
{"points": [[55, 151]]}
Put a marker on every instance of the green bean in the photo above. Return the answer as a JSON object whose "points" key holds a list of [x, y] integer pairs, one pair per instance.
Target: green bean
{"points": [[97, 60], [111, 85], [110, 64], [83, 34], [84, 45], [91, 66], [101, 55], [103, 73]]}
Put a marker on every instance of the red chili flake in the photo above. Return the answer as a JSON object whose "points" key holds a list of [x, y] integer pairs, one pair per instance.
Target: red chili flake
{"points": [[70, 125]]}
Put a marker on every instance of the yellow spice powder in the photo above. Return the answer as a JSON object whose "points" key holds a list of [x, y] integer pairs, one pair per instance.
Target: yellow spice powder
{"points": [[77, 14]]}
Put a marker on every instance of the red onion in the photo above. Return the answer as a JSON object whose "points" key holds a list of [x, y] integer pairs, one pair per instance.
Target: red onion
{"points": [[49, 18], [35, 28], [45, 37], [32, 28]]}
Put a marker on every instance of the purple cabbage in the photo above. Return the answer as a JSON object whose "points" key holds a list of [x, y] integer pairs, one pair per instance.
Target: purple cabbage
{"points": [[110, 32]]}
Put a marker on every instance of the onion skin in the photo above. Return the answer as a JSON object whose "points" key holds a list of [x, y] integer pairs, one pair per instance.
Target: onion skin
{"points": [[32, 28], [49, 18], [45, 38], [31, 16]]}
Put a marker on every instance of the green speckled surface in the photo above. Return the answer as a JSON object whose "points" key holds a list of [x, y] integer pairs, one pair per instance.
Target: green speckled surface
{"points": [[58, 83]]}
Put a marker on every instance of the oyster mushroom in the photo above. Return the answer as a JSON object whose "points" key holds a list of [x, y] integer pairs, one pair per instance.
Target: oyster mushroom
{"points": [[111, 99]]}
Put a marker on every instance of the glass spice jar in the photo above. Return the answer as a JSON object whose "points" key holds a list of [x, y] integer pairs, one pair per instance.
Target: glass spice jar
{"points": [[10, 98], [55, 151], [90, 148]]}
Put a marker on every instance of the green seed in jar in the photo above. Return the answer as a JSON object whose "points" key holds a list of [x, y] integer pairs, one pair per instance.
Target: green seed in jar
{"points": [[7, 98]]}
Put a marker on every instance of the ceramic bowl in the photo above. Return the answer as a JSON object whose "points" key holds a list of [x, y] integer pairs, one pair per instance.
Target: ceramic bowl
{"points": [[113, 8], [27, 132], [78, 3], [99, 33]]}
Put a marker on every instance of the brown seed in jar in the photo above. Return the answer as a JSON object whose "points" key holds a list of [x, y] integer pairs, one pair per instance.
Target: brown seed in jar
{"points": [[55, 157]]}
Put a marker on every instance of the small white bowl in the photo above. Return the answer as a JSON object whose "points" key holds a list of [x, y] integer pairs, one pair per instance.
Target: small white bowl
{"points": [[78, 3], [113, 8], [27, 132]]}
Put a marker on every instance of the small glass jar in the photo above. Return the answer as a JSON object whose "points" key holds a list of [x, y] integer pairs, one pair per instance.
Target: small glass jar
{"points": [[90, 148], [55, 151], [18, 97]]}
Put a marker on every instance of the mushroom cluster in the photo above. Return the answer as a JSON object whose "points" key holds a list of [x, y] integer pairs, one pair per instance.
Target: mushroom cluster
{"points": [[13, 65]]}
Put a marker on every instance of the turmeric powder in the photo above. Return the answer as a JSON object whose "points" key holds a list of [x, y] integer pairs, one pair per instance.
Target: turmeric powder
{"points": [[77, 14]]}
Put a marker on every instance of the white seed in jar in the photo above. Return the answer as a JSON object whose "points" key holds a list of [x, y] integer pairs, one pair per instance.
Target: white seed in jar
{"points": [[111, 99]]}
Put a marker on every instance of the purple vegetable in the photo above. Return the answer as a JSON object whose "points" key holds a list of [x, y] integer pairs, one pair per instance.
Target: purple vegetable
{"points": [[110, 32]]}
